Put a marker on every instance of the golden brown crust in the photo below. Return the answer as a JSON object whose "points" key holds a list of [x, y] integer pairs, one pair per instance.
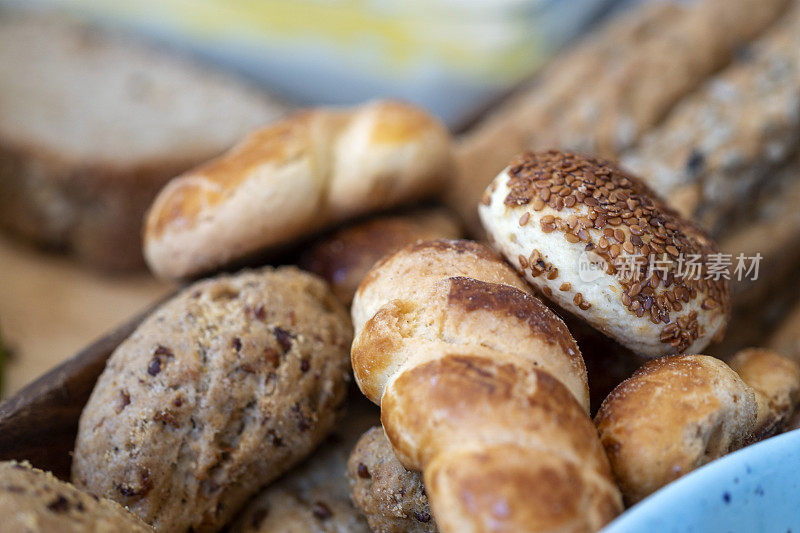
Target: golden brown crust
{"points": [[292, 178], [344, 258], [672, 416], [776, 381], [471, 369]]}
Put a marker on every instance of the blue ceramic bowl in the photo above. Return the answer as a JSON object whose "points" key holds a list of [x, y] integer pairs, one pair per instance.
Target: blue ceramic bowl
{"points": [[754, 489]]}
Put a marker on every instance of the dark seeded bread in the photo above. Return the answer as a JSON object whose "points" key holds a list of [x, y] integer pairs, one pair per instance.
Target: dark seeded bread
{"points": [[91, 127]]}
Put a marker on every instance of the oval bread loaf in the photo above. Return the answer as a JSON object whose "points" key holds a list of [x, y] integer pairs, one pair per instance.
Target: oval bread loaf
{"points": [[292, 178], [221, 390], [34, 500]]}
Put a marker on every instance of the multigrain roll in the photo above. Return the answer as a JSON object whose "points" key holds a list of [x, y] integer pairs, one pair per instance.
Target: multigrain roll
{"points": [[315, 497], [502, 437], [776, 382], [33, 500], [600, 244], [344, 258], [220, 391], [672, 416], [391, 497], [292, 178]]}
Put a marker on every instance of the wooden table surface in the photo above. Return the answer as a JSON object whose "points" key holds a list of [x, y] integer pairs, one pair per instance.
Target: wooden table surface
{"points": [[51, 307]]}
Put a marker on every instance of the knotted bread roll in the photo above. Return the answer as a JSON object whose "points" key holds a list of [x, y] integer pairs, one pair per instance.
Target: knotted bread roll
{"points": [[600, 244], [292, 178], [483, 389], [672, 416]]}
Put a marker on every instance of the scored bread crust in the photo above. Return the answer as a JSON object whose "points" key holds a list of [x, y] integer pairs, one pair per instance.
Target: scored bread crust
{"points": [[600, 244], [292, 178], [483, 389], [675, 414]]}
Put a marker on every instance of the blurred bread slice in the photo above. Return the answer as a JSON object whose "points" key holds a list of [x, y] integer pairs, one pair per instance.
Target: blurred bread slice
{"points": [[92, 124]]}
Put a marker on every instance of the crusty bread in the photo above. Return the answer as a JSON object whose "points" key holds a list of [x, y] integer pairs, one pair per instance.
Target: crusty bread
{"points": [[91, 127], [33, 500], [776, 382], [293, 178], [344, 258], [723, 142], [672, 416], [603, 95], [391, 497], [554, 215], [218, 392], [502, 436]]}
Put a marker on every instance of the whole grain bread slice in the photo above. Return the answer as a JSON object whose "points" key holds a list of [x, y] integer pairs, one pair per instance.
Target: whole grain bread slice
{"points": [[93, 123]]}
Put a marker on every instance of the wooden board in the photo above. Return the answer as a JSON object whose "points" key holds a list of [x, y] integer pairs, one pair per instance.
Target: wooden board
{"points": [[51, 307]]}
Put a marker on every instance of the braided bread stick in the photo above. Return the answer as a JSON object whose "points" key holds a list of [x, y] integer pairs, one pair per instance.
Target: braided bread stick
{"points": [[483, 389], [292, 178]]}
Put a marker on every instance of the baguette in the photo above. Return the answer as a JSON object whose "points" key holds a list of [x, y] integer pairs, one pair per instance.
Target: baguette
{"points": [[603, 97], [291, 179], [503, 437], [724, 141], [92, 125]]}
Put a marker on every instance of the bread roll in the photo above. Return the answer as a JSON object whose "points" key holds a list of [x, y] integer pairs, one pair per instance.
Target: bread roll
{"points": [[315, 497], [602, 245], [786, 339], [776, 382], [344, 258], [391, 497], [672, 416], [292, 178], [33, 500], [217, 393], [483, 389]]}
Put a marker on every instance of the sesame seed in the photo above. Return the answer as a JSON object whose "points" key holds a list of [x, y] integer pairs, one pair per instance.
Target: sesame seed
{"points": [[524, 218]]}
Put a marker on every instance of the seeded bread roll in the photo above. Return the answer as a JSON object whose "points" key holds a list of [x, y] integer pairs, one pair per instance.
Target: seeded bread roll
{"points": [[391, 497], [482, 388], [220, 391], [344, 258], [585, 234], [33, 500], [776, 382], [672, 416], [292, 178], [93, 124], [314, 498], [725, 141]]}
